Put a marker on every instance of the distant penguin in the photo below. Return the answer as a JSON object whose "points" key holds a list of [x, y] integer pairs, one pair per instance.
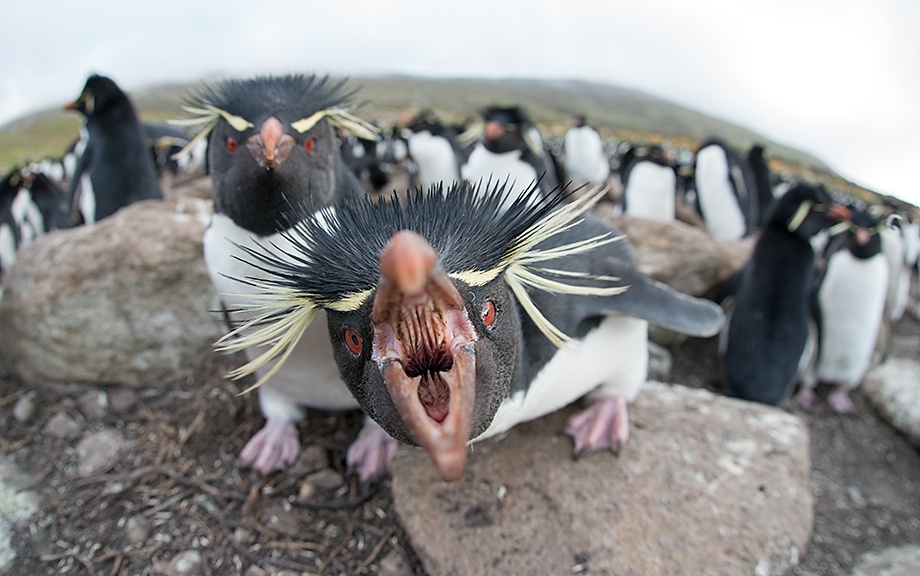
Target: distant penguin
{"points": [[850, 303], [116, 167], [453, 319], [725, 191], [510, 149], [766, 339], [650, 189], [434, 150], [31, 204], [585, 158]]}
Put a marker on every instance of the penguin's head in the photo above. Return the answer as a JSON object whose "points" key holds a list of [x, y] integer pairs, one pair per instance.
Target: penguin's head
{"points": [[422, 299], [429, 357], [806, 210], [272, 141], [98, 93]]}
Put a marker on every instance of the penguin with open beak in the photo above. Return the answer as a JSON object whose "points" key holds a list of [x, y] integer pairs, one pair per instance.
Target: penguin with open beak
{"points": [[452, 318]]}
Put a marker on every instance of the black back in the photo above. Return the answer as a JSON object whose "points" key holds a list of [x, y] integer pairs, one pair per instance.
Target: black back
{"points": [[116, 157]]}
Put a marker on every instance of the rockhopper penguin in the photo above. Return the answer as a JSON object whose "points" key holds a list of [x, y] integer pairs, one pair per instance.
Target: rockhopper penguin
{"points": [[272, 145], [457, 314], [849, 308], [767, 337], [115, 168]]}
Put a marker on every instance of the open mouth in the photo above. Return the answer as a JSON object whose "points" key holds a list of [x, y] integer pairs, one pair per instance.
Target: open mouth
{"points": [[425, 347]]}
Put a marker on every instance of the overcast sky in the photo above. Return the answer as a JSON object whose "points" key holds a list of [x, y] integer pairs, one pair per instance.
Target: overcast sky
{"points": [[837, 78]]}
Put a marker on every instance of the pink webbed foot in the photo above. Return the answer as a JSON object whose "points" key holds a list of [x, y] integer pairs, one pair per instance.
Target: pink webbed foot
{"points": [[370, 454], [604, 424], [274, 447], [839, 401], [806, 398]]}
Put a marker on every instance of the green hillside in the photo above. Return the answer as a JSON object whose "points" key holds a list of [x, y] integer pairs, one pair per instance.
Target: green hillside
{"points": [[617, 112]]}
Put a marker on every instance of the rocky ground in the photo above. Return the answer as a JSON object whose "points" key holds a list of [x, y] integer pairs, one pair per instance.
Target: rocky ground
{"points": [[145, 481]]}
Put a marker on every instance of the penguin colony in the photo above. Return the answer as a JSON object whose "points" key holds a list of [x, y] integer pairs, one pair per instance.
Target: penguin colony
{"points": [[450, 311]]}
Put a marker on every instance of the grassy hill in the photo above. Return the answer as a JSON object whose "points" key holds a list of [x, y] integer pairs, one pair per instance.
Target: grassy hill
{"points": [[616, 112]]}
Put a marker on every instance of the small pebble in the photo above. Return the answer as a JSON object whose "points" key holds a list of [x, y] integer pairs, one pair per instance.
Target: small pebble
{"points": [[185, 564], [94, 404], [98, 452], [24, 409], [63, 426], [122, 400], [326, 479], [137, 530]]}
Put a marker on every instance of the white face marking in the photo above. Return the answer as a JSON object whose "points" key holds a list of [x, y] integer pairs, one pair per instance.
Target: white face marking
{"points": [[611, 360]]}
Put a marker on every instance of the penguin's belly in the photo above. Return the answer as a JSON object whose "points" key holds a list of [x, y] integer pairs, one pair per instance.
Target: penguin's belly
{"points": [[486, 166], [718, 202], [87, 199], [852, 300], [310, 376], [612, 359], [650, 192], [435, 158]]}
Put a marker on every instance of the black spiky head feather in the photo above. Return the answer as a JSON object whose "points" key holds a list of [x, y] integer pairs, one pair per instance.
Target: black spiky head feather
{"points": [[333, 258], [289, 97], [297, 100]]}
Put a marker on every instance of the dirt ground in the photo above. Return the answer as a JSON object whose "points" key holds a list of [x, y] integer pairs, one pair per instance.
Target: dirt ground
{"points": [[176, 498]]}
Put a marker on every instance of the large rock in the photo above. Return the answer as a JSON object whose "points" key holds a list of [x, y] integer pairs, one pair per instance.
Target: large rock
{"points": [[706, 485], [682, 256], [894, 388], [126, 300]]}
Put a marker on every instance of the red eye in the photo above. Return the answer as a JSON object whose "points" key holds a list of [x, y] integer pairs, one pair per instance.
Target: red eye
{"points": [[232, 144], [354, 342], [488, 313], [309, 144]]}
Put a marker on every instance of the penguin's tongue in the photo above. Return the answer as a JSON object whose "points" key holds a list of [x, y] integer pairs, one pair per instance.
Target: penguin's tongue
{"points": [[425, 347]]}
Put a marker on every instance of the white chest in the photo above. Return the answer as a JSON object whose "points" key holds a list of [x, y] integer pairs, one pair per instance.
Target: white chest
{"points": [[612, 359], [310, 377]]}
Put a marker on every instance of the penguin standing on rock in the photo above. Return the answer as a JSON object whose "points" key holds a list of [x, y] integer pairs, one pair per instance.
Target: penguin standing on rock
{"points": [[272, 145], [768, 331], [850, 305], [453, 319], [115, 168]]}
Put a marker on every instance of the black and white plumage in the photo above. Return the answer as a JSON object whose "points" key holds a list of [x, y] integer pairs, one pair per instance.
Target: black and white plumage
{"points": [[115, 168], [726, 192], [849, 307], [460, 313], [650, 189], [434, 150], [272, 145], [585, 157], [766, 340], [31, 204], [509, 148]]}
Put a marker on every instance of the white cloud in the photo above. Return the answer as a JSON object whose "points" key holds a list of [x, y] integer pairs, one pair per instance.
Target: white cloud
{"points": [[839, 78]]}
